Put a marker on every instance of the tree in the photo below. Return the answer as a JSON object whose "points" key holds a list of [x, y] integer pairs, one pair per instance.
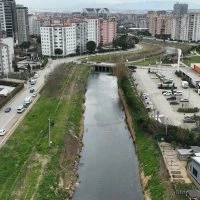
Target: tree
{"points": [[78, 49], [25, 45], [58, 51], [115, 43], [91, 46], [38, 40]]}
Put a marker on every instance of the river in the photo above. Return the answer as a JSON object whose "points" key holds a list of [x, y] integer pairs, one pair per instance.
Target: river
{"points": [[108, 168]]}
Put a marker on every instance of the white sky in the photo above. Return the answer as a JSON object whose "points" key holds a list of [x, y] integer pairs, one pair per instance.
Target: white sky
{"points": [[70, 3]]}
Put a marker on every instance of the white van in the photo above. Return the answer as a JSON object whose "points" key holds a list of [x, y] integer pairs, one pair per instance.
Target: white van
{"points": [[20, 109]]}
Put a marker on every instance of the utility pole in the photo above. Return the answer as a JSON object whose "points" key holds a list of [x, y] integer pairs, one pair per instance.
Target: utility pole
{"points": [[49, 136], [166, 123]]}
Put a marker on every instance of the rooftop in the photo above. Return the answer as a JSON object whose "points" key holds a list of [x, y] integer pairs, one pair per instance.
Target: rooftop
{"points": [[191, 73], [184, 151], [196, 159]]}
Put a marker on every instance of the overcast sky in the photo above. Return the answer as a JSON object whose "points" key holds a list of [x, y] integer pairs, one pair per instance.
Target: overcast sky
{"points": [[67, 4]]}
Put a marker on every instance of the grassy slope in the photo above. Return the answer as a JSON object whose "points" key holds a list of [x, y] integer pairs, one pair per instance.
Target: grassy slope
{"points": [[26, 161], [127, 55], [194, 59], [147, 149]]}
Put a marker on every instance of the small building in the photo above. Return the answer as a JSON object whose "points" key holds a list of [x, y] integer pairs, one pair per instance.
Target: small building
{"points": [[184, 154], [193, 194], [194, 170]]}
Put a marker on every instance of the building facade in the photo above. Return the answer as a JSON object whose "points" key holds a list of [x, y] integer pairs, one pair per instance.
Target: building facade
{"points": [[11, 19], [23, 24], [58, 37], [194, 169], [6, 55], [159, 25], [107, 31], [2, 19], [81, 36], [186, 27], [93, 30]]}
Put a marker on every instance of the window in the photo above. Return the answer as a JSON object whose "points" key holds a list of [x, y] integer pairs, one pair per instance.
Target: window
{"points": [[195, 172]]}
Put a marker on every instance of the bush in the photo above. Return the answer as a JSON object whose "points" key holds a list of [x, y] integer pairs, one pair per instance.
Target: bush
{"points": [[44, 63], [188, 110]]}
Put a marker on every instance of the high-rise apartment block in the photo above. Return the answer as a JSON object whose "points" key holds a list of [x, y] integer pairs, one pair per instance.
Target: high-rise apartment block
{"points": [[180, 9], [58, 37], [72, 37], [23, 24], [6, 55], [186, 27], [107, 31], [159, 25]]}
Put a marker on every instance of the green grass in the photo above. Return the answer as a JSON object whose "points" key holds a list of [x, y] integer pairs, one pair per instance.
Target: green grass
{"points": [[148, 50], [19, 170], [194, 59], [146, 62]]}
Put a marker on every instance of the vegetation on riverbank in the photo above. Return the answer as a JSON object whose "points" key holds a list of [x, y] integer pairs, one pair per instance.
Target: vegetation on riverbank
{"points": [[29, 168], [147, 130], [147, 51]]}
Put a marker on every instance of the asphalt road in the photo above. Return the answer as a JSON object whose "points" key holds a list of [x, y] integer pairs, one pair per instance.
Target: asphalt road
{"points": [[10, 121]]}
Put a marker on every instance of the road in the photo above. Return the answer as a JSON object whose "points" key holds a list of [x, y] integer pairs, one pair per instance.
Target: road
{"points": [[10, 121]]}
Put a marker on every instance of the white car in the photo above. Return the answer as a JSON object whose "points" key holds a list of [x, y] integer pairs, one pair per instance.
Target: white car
{"points": [[34, 94], [2, 132], [178, 93], [168, 93], [36, 75]]}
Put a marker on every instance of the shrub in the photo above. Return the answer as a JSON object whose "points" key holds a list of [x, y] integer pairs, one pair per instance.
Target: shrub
{"points": [[188, 110]]}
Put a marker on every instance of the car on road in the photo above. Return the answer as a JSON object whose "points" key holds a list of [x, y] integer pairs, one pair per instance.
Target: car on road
{"points": [[184, 100], [2, 132], [36, 75], [168, 93], [7, 110], [171, 98], [34, 94], [32, 90]]}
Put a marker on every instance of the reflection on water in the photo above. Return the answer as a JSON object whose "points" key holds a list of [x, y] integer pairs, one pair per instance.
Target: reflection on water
{"points": [[108, 167]]}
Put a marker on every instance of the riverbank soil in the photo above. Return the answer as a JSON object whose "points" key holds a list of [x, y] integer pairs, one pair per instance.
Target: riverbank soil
{"points": [[32, 168]]}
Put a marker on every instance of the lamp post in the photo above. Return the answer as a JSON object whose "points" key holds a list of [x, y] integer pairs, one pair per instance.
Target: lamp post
{"points": [[49, 134], [166, 124]]}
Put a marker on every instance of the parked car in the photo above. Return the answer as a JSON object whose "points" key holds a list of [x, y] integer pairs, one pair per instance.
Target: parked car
{"points": [[164, 91], [34, 94], [171, 98], [7, 110], [32, 90], [168, 93], [196, 129], [2, 132], [189, 120], [184, 100], [174, 103], [178, 93]]}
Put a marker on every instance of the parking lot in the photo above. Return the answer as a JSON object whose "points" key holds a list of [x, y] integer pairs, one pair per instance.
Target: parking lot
{"points": [[148, 83]]}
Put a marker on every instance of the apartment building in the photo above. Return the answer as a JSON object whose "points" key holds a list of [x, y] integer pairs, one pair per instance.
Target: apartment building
{"points": [[23, 24], [81, 36], [2, 19], [186, 27], [107, 31], [6, 55], [93, 30], [159, 25], [11, 19], [58, 37]]}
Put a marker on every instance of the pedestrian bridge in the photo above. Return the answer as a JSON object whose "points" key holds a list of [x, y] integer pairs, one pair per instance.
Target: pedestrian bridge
{"points": [[103, 67]]}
